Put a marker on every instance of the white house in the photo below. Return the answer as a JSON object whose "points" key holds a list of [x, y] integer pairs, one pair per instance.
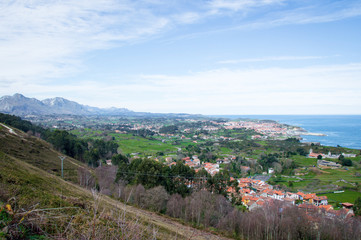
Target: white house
{"points": [[320, 200]]}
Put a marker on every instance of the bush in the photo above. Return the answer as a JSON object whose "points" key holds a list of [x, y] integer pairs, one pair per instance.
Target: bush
{"points": [[346, 162]]}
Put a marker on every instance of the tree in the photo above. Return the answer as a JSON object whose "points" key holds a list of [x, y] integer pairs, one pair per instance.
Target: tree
{"points": [[106, 177], [168, 129], [182, 175], [357, 207], [119, 158], [156, 199], [268, 160], [175, 206], [346, 162], [277, 167], [319, 157], [301, 151]]}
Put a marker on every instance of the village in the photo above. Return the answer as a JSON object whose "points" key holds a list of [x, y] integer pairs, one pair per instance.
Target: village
{"points": [[215, 134], [255, 193]]}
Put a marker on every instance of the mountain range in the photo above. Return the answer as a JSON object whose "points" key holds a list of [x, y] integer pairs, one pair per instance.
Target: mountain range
{"points": [[21, 106]]}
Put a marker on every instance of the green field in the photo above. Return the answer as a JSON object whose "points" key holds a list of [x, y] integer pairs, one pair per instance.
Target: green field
{"points": [[346, 196], [132, 144], [225, 150], [325, 180], [303, 161], [333, 175]]}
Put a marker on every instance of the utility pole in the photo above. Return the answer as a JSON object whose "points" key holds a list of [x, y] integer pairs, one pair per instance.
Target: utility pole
{"points": [[62, 165]]}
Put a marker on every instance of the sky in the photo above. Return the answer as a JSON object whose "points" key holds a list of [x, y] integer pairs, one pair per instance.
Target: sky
{"points": [[176, 56]]}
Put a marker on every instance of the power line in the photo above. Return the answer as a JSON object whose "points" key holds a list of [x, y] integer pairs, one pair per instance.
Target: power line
{"points": [[206, 177], [165, 176]]}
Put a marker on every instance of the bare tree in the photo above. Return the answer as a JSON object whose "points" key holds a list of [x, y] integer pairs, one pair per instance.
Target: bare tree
{"points": [[175, 206], [156, 199], [106, 179], [138, 195], [86, 179]]}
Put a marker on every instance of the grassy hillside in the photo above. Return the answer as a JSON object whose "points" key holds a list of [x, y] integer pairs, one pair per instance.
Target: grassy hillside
{"points": [[44, 206], [38, 153]]}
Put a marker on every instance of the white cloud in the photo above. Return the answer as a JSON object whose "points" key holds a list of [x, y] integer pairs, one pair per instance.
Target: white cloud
{"points": [[315, 14], [187, 17], [308, 90], [44, 39], [274, 58], [235, 5]]}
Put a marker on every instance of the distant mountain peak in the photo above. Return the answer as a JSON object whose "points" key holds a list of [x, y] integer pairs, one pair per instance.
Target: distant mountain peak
{"points": [[18, 95], [56, 101], [20, 105]]}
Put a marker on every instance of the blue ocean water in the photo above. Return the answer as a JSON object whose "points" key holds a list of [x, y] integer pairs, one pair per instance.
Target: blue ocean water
{"points": [[343, 130]]}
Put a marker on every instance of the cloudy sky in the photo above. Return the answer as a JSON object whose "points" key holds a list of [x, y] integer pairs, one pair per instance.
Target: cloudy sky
{"points": [[206, 56]]}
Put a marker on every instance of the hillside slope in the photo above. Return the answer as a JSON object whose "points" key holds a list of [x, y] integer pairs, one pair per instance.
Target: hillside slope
{"points": [[44, 204], [37, 152]]}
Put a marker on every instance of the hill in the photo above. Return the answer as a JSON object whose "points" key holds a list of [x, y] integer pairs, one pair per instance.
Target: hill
{"points": [[43, 205]]}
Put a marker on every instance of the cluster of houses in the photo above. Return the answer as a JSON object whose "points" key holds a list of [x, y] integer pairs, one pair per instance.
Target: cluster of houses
{"points": [[211, 168], [256, 193], [324, 163], [329, 155], [194, 162], [329, 164], [266, 129]]}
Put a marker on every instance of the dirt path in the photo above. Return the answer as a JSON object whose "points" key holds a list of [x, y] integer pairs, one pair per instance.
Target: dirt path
{"points": [[10, 129]]}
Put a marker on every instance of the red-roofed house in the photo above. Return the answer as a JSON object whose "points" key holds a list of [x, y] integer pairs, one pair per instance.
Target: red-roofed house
{"points": [[231, 190], [267, 193], [309, 197], [347, 205], [320, 200], [309, 208], [255, 204], [278, 195], [172, 164], [245, 191], [291, 195], [325, 207], [301, 195]]}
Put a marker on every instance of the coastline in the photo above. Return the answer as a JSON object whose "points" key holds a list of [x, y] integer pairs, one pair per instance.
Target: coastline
{"points": [[328, 130]]}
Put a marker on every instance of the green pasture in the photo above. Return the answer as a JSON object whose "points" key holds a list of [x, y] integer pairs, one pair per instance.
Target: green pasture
{"points": [[134, 144], [333, 175], [303, 161], [346, 196]]}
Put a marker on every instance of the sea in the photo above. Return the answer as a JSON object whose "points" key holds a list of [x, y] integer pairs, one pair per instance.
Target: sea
{"points": [[342, 130]]}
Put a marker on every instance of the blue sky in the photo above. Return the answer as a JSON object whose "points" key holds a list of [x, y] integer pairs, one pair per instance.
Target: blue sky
{"points": [[208, 57]]}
